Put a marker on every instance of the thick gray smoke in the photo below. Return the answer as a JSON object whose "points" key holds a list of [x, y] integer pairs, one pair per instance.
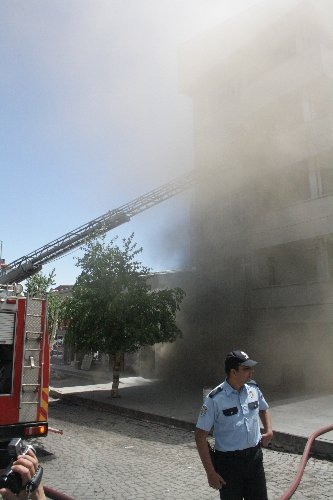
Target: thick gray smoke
{"points": [[261, 240]]}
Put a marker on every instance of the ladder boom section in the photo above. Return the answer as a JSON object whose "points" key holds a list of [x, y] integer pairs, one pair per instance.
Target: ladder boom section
{"points": [[29, 264]]}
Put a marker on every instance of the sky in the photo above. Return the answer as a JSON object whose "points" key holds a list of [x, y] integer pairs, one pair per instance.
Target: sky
{"points": [[92, 117]]}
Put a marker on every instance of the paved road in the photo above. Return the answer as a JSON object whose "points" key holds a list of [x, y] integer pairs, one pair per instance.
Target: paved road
{"points": [[106, 457]]}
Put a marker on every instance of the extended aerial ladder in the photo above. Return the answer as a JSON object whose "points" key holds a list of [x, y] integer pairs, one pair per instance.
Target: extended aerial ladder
{"points": [[30, 264]]}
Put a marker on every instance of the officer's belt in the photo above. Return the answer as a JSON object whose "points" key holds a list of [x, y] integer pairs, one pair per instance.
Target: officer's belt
{"points": [[239, 453]]}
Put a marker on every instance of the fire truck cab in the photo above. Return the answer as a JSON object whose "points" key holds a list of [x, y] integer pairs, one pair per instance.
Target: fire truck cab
{"points": [[24, 364]]}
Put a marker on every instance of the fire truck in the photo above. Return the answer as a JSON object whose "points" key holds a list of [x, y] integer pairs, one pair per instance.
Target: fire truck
{"points": [[24, 364], [24, 340]]}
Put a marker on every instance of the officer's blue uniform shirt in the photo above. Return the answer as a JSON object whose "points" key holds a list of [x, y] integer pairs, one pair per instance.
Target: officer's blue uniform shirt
{"points": [[234, 416]]}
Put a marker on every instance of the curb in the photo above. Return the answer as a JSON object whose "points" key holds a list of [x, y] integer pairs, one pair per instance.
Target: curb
{"points": [[291, 443], [99, 377], [282, 441], [123, 411]]}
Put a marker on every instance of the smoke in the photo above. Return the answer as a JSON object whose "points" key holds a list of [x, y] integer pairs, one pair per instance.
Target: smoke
{"points": [[260, 235], [106, 74], [96, 119], [153, 117], [93, 110]]}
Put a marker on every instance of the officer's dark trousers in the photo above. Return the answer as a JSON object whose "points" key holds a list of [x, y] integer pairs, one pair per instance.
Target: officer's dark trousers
{"points": [[243, 471]]}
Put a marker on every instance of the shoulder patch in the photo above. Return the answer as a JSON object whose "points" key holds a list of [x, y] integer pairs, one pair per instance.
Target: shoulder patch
{"points": [[203, 410], [215, 391]]}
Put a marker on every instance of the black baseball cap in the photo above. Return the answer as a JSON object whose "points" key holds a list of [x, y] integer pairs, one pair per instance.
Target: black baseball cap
{"points": [[235, 358]]}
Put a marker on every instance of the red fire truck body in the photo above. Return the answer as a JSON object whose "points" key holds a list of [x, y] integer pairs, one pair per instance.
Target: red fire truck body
{"points": [[24, 364]]}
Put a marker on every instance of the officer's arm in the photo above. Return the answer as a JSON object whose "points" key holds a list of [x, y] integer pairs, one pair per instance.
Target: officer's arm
{"points": [[266, 420], [214, 479]]}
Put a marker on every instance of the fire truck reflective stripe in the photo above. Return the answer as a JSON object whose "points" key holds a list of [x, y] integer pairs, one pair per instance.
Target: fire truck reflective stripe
{"points": [[45, 395], [42, 414], [44, 404], [42, 410]]}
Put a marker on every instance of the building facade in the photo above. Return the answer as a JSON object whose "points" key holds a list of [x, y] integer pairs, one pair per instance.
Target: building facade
{"points": [[262, 215]]}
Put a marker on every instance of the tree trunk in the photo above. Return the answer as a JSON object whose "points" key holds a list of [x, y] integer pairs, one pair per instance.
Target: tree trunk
{"points": [[53, 332], [116, 362]]}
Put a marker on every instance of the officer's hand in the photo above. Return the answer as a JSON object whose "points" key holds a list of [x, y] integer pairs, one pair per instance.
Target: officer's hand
{"points": [[266, 438], [215, 480]]}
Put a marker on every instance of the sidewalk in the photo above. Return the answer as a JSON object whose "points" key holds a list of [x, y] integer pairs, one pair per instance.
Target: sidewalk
{"points": [[294, 419]]}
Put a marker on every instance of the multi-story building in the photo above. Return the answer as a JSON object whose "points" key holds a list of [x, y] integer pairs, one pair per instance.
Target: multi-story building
{"points": [[262, 218]]}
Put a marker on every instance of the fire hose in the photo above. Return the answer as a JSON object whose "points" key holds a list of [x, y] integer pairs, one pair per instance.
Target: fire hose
{"points": [[294, 485], [56, 431], [55, 495]]}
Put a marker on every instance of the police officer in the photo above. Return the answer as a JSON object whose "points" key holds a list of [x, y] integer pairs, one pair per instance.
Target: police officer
{"points": [[233, 409]]}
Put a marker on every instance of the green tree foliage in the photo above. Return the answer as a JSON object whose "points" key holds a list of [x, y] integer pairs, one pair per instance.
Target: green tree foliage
{"points": [[55, 314], [39, 285], [112, 308]]}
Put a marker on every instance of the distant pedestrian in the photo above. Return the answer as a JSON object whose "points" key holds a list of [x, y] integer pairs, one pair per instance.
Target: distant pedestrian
{"points": [[233, 410]]}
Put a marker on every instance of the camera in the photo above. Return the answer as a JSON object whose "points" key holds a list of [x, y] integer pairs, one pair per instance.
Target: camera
{"points": [[10, 479]]}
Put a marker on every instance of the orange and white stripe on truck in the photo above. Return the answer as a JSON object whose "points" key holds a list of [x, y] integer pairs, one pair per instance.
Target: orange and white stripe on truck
{"points": [[43, 408]]}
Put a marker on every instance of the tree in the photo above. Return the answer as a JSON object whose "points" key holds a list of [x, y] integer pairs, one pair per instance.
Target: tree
{"points": [[39, 285], [113, 309]]}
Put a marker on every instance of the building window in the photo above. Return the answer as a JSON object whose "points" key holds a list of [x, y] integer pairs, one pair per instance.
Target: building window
{"points": [[324, 170], [330, 256], [293, 263], [326, 176], [282, 188]]}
